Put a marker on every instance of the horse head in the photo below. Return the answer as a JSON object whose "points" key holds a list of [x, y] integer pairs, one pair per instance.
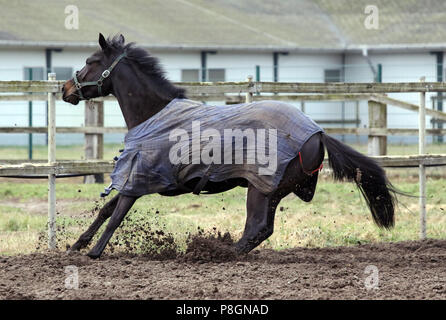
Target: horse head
{"points": [[94, 79]]}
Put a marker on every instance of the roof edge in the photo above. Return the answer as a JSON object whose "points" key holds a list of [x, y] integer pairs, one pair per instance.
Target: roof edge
{"points": [[166, 47], [265, 48], [397, 47]]}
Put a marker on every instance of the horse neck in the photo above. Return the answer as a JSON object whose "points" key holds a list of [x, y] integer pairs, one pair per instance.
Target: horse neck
{"points": [[138, 99]]}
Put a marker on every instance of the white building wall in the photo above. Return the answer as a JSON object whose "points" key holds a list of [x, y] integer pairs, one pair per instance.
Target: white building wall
{"points": [[307, 67], [311, 68], [15, 113], [68, 115], [239, 66], [396, 67], [172, 63], [293, 67]]}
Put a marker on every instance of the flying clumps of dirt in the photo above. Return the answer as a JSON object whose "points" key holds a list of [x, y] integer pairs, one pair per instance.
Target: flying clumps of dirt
{"points": [[209, 247], [201, 247], [139, 236]]}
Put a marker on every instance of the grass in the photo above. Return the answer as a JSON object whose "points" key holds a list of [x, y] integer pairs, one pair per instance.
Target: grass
{"points": [[337, 215]]}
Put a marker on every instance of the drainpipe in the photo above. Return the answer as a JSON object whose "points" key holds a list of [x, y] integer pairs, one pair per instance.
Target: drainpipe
{"points": [[379, 73], [258, 76], [365, 54], [203, 66], [343, 102], [440, 58], [276, 64], [30, 120], [204, 61]]}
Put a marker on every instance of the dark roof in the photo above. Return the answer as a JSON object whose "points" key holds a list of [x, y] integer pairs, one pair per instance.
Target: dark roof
{"points": [[255, 24]]}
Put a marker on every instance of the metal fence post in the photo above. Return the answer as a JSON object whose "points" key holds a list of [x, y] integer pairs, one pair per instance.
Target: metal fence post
{"points": [[30, 120], [52, 161], [249, 93], [422, 173]]}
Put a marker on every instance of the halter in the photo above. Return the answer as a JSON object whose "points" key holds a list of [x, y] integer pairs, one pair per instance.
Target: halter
{"points": [[307, 172], [100, 81]]}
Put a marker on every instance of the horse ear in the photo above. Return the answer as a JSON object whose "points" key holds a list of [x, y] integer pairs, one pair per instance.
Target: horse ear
{"points": [[121, 39], [102, 42]]}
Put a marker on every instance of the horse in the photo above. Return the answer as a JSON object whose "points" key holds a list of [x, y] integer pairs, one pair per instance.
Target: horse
{"points": [[136, 79]]}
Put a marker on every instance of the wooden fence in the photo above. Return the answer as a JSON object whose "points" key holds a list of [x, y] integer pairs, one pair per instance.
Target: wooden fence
{"points": [[231, 92]]}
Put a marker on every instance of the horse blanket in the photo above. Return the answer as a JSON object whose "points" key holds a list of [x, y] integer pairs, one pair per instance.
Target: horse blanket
{"points": [[188, 139]]}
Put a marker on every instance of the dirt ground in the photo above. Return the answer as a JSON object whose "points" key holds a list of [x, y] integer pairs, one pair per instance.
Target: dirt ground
{"points": [[210, 270]]}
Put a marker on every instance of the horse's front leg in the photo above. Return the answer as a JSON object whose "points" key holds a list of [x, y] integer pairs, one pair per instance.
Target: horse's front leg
{"points": [[259, 221], [122, 207], [105, 213]]}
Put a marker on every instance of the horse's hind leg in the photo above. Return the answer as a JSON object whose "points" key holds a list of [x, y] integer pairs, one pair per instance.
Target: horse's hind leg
{"points": [[259, 221], [105, 213], [123, 206]]}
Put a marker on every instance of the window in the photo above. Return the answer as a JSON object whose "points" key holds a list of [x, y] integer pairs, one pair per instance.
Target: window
{"points": [[63, 73], [33, 73], [333, 75], [215, 75], [190, 75]]}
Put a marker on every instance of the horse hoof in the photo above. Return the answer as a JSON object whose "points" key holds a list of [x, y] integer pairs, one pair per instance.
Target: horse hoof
{"points": [[71, 250], [93, 255], [241, 250]]}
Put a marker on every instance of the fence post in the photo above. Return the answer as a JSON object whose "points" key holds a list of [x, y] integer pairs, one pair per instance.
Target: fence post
{"points": [[422, 172], [51, 160], [30, 119], [249, 94], [357, 120], [99, 178], [377, 145], [94, 143]]}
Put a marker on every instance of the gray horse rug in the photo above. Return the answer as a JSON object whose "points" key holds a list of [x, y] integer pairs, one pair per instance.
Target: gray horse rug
{"points": [[188, 140]]}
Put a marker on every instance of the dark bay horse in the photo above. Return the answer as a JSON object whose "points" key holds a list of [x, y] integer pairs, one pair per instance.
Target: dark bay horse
{"points": [[135, 78]]}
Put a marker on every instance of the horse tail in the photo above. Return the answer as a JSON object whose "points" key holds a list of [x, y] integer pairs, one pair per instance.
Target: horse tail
{"points": [[370, 178]]}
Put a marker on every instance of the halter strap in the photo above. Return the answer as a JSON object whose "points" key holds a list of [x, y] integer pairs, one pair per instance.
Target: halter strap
{"points": [[306, 172], [100, 81]]}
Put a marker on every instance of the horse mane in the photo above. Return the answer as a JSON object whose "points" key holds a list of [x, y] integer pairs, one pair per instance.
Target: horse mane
{"points": [[148, 65]]}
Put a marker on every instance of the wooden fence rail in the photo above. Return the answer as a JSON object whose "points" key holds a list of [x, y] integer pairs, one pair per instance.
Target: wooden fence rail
{"points": [[103, 130], [376, 131], [197, 88], [12, 168]]}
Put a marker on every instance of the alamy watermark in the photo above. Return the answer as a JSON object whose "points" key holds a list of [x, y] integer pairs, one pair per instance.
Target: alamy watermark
{"points": [[250, 146], [72, 279], [372, 280], [371, 22], [72, 18]]}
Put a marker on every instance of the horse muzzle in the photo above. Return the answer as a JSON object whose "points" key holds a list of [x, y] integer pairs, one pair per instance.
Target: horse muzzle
{"points": [[69, 92]]}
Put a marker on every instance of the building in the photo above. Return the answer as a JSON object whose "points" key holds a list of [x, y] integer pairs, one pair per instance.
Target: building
{"points": [[226, 40]]}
